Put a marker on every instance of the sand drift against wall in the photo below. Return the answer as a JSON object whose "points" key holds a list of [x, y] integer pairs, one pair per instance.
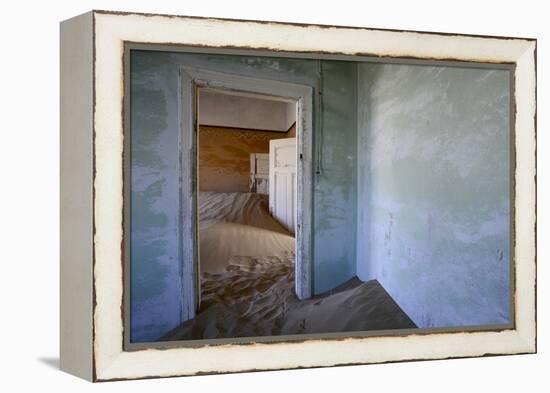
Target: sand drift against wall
{"points": [[247, 281], [255, 297]]}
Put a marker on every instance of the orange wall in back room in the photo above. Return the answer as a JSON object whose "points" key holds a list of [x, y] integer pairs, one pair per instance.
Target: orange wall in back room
{"points": [[224, 156]]}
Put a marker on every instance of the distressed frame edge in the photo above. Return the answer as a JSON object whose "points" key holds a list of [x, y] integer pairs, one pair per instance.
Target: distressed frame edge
{"points": [[525, 195], [76, 43], [305, 25], [529, 338]]}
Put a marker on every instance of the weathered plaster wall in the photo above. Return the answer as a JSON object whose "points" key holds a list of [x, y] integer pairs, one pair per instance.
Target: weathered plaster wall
{"points": [[335, 190], [224, 156], [433, 190], [155, 269]]}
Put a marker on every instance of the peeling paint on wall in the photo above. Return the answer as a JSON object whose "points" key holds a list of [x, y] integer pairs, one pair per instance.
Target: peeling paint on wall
{"points": [[412, 190], [434, 190], [335, 187], [155, 295]]}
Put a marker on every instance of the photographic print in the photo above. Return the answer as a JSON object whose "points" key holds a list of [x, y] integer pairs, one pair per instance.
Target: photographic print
{"points": [[245, 195], [407, 220]]}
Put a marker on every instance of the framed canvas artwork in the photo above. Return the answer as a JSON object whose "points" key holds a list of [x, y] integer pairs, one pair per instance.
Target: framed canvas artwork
{"points": [[244, 195]]}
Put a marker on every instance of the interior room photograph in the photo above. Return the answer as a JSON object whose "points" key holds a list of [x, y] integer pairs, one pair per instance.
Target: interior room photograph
{"points": [[281, 196]]}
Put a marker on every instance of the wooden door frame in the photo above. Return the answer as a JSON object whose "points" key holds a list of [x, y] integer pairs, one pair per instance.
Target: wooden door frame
{"points": [[191, 79]]}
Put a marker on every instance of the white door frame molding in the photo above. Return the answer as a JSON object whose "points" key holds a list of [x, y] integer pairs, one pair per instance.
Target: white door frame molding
{"points": [[191, 79]]}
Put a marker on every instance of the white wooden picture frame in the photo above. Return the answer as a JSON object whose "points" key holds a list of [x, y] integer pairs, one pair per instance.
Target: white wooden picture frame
{"points": [[92, 193]]}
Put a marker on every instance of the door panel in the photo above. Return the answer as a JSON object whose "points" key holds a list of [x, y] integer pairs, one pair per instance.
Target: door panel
{"points": [[282, 181]]}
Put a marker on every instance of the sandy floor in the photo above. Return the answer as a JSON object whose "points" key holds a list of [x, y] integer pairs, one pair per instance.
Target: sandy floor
{"points": [[247, 281], [238, 224], [255, 297], [239, 208]]}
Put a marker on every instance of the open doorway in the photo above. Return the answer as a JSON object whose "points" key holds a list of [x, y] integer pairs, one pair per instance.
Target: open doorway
{"points": [[246, 195], [246, 182]]}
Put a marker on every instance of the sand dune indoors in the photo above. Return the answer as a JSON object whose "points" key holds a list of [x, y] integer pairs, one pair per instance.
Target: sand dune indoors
{"points": [[255, 297], [247, 281]]}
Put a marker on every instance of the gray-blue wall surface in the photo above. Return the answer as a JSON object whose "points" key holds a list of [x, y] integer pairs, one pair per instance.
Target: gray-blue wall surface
{"points": [[434, 190], [155, 287], [412, 184]]}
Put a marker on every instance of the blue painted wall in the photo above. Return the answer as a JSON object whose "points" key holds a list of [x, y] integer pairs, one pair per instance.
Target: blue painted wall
{"points": [[433, 190], [155, 298], [412, 189], [335, 189]]}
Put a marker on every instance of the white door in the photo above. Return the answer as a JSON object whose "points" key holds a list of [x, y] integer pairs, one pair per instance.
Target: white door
{"points": [[282, 181]]}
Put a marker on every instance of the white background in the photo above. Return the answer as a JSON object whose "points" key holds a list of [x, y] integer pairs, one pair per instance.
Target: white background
{"points": [[29, 201]]}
